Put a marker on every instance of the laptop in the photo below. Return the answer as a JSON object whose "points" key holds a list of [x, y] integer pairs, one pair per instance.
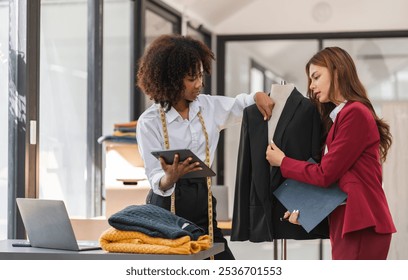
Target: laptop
{"points": [[48, 226]]}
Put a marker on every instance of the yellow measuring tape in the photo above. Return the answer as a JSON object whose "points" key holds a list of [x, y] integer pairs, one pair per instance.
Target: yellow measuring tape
{"points": [[207, 162]]}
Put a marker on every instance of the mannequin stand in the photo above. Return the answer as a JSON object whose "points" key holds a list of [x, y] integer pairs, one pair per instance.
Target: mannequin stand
{"points": [[283, 251]]}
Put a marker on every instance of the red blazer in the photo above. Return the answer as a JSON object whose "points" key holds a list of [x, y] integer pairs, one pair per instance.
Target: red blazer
{"points": [[353, 160]]}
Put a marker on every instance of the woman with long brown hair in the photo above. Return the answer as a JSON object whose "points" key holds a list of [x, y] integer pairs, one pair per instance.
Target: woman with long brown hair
{"points": [[357, 142]]}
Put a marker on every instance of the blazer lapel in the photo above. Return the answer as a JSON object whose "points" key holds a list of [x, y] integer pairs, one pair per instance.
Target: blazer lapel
{"points": [[289, 110]]}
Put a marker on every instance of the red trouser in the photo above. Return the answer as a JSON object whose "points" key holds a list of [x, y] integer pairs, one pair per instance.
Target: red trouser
{"points": [[363, 244]]}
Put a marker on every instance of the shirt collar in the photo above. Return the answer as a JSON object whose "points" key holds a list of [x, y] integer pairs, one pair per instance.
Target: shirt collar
{"points": [[195, 107], [336, 110], [172, 114]]}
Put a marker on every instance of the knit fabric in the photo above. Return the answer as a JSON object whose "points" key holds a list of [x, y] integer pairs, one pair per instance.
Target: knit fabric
{"points": [[154, 221], [118, 241]]}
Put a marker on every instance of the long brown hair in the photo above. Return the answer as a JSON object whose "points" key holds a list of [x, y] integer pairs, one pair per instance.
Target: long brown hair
{"points": [[344, 76]]}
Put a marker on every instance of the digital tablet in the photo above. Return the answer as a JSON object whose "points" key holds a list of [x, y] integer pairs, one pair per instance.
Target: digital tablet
{"points": [[168, 156]]}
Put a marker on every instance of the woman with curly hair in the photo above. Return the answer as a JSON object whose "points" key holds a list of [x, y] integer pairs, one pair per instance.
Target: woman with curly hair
{"points": [[171, 73], [357, 142]]}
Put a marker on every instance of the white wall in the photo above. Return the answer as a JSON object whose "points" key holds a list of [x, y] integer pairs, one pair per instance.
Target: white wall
{"points": [[294, 16], [266, 16], [396, 176]]}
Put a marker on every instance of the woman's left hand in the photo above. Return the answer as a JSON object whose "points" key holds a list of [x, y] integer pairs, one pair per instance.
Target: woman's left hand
{"points": [[274, 155], [292, 217], [265, 104]]}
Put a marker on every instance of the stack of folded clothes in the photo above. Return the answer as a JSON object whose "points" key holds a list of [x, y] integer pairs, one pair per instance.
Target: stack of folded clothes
{"points": [[149, 229], [122, 132]]}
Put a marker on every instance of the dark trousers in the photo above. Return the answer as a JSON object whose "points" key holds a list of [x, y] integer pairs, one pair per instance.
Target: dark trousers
{"points": [[364, 244], [192, 204]]}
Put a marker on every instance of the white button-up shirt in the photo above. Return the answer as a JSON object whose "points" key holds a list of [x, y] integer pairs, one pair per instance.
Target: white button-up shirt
{"points": [[218, 112], [333, 115]]}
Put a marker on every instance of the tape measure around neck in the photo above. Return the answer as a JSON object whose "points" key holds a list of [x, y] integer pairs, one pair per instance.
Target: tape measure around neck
{"points": [[207, 162]]}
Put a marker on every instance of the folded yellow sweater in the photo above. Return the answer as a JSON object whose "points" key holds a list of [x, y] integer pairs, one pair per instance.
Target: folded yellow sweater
{"points": [[119, 241], [120, 134]]}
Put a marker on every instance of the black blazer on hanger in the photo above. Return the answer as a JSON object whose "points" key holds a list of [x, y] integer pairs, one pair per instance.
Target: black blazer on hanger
{"points": [[257, 212]]}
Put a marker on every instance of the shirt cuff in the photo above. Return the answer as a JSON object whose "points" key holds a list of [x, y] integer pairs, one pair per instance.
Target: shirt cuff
{"points": [[250, 98], [156, 183]]}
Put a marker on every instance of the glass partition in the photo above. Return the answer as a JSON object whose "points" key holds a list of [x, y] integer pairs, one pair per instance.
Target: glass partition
{"points": [[156, 25], [116, 63], [63, 101], [116, 71], [4, 32], [382, 65]]}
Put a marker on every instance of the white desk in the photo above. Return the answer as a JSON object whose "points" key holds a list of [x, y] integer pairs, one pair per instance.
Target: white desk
{"points": [[8, 252]]}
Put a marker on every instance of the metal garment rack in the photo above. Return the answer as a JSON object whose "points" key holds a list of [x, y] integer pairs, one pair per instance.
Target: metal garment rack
{"points": [[283, 252]]}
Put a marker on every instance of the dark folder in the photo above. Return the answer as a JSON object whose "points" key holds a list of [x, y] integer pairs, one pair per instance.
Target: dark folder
{"points": [[314, 203]]}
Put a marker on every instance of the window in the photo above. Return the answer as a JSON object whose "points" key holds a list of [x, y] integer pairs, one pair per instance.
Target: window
{"points": [[257, 79], [382, 65], [116, 63], [63, 104], [159, 21], [200, 33], [4, 103]]}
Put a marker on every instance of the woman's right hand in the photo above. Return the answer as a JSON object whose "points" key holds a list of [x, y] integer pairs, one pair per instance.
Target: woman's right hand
{"points": [[173, 172], [265, 104]]}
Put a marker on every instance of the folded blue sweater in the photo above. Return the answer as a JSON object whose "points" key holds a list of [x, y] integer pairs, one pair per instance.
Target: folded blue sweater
{"points": [[155, 222]]}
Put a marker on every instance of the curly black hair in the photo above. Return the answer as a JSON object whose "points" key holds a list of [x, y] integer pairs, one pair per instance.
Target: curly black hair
{"points": [[166, 62]]}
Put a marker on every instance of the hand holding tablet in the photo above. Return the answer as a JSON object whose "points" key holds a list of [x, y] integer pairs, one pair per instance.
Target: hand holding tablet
{"points": [[168, 156]]}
